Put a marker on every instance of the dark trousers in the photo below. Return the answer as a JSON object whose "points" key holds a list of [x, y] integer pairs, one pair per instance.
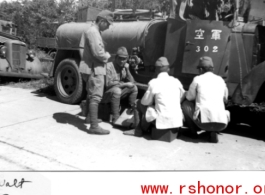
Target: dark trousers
{"points": [[188, 109], [144, 125], [116, 92]]}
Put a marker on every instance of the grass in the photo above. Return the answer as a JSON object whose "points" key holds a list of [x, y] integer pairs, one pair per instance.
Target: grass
{"points": [[44, 85]]}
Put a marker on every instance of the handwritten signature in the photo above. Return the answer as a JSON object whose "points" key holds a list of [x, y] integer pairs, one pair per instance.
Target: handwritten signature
{"points": [[14, 183]]}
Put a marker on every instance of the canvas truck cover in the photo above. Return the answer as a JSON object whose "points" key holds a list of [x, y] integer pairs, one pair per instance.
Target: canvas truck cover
{"points": [[145, 34]]}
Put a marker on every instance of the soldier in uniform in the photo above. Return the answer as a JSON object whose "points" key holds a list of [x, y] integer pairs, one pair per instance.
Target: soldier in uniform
{"points": [[119, 83], [92, 66]]}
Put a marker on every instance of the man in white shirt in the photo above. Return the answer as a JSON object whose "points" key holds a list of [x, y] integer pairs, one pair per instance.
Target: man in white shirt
{"points": [[204, 108], [161, 103]]}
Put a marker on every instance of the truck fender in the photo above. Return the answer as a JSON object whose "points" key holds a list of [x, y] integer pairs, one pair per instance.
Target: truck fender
{"points": [[62, 54], [251, 84]]}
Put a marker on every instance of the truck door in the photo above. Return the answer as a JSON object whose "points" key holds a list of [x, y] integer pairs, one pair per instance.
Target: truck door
{"points": [[206, 38]]}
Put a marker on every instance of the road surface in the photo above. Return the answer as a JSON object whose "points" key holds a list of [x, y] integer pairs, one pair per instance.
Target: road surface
{"points": [[39, 133]]}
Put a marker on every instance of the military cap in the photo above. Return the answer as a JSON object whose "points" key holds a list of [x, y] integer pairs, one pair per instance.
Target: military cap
{"points": [[122, 52], [162, 61], [205, 62], [106, 14]]}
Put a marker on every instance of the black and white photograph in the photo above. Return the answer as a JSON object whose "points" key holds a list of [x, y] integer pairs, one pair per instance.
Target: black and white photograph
{"points": [[132, 85]]}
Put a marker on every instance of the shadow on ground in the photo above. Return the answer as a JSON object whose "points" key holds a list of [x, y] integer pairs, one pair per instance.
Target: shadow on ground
{"points": [[245, 130], [241, 130], [47, 92], [66, 118], [40, 94], [183, 134]]}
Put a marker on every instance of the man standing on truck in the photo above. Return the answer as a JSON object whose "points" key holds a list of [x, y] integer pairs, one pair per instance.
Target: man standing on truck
{"points": [[93, 64], [160, 104], [119, 83], [204, 108]]}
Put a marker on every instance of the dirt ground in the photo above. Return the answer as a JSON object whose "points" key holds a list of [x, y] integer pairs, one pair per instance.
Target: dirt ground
{"points": [[39, 133]]}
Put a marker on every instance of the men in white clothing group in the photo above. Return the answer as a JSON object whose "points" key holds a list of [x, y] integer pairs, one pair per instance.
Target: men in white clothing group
{"points": [[203, 107]]}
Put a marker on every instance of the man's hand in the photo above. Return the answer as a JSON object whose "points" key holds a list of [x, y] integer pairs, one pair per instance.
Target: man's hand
{"points": [[126, 66], [128, 85], [108, 55]]}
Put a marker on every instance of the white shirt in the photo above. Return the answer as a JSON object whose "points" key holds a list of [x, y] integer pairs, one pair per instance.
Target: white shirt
{"points": [[165, 93], [209, 91]]}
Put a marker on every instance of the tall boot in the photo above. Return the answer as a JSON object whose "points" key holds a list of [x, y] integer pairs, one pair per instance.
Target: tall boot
{"points": [[94, 127], [132, 99], [115, 108], [136, 117], [87, 120], [137, 131]]}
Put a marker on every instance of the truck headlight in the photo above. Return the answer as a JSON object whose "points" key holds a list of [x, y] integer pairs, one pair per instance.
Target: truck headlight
{"points": [[30, 55], [3, 52]]}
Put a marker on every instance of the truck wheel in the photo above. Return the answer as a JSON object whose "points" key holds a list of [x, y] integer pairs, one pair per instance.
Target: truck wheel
{"points": [[68, 83]]}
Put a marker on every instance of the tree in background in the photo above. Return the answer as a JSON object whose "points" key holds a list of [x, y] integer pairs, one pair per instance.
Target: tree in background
{"points": [[37, 18]]}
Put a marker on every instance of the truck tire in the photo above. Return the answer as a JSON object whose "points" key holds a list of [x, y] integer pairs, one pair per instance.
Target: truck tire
{"points": [[68, 83]]}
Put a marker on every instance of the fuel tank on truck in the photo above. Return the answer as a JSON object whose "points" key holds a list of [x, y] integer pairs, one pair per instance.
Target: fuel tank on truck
{"points": [[148, 35]]}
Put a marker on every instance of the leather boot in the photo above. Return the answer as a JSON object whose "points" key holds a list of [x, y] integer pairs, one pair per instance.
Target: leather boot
{"points": [[115, 108], [94, 127], [132, 99], [136, 116], [87, 120]]}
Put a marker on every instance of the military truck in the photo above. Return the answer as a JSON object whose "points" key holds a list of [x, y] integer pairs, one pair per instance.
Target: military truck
{"points": [[15, 58], [237, 48], [8, 27]]}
